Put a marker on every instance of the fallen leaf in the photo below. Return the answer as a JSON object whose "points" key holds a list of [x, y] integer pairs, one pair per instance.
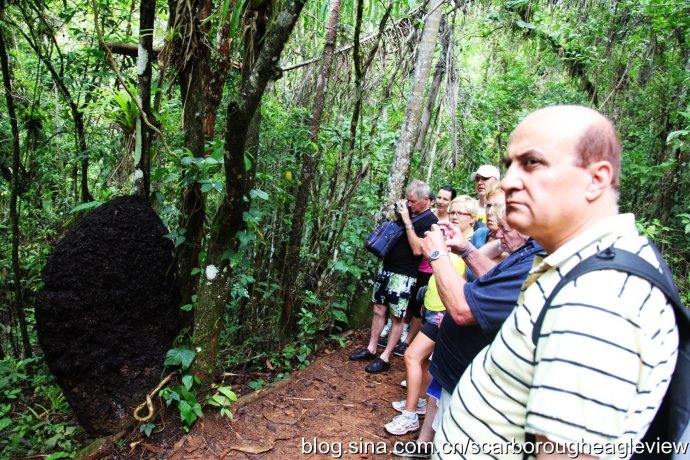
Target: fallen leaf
{"points": [[281, 419]]}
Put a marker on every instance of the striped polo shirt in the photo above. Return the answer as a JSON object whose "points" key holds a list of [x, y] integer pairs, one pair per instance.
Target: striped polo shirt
{"points": [[607, 349]]}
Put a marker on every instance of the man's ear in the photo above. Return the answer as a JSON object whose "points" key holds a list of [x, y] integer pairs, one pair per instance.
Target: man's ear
{"points": [[600, 175]]}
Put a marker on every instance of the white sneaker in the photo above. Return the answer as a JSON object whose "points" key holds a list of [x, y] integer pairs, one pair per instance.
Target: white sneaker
{"points": [[386, 329], [421, 406], [402, 424], [403, 335]]}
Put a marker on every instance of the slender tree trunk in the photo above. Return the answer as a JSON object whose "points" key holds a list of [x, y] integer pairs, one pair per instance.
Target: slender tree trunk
{"points": [[191, 51], [142, 150], [257, 22], [202, 84], [16, 167], [208, 321], [413, 114], [309, 165], [340, 198], [439, 72]]}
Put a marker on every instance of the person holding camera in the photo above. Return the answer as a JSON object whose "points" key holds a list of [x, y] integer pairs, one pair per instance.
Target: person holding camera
{"points": [[398, 275], [462, 213], [413, 317]]}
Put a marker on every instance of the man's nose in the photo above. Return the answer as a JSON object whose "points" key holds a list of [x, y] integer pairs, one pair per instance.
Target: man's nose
{"points": [[511, 180]]}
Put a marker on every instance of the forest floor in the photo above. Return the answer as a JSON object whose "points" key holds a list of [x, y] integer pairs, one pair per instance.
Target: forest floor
{"points": [[331, 409]]}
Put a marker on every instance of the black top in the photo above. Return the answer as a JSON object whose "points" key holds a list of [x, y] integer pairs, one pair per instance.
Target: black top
{"points": [[401, 260]]}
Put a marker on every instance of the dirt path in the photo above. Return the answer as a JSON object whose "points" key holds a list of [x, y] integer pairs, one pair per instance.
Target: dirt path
{"points": [[333, 403]]}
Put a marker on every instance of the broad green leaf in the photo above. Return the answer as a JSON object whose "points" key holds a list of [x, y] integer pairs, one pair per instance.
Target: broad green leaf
{"points": [[179, 357], [339, 315], [56, 455], [89, 205], [147, 428], [260, 194], [228, 392], [525, 25], [187, 413]]}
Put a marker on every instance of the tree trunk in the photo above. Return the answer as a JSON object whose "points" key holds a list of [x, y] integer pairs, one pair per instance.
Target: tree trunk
{"points": [[310, 161], [413, 114], [142, 150], [206, 94], [16, 167], [208, 321], [329, 227], [435, 85], [191, 51]]}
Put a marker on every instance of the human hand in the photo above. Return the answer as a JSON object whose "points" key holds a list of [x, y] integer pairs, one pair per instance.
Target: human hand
{"points": [[433, 241], [455, 240], [401, 208]]}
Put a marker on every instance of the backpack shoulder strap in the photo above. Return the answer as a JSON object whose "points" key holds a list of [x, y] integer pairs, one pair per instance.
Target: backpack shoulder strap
{"points": [[627, 262], [672, 420], [420, 215]]}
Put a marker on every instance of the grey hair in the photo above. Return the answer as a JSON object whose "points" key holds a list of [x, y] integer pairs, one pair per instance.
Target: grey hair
{"points": [[421, 189]]}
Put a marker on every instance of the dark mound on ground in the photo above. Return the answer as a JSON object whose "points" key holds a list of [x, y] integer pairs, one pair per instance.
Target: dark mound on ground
{"points": [[109, 311]]}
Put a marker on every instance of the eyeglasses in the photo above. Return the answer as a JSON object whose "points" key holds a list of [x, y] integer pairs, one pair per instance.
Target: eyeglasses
{"points": [[458, 213]]}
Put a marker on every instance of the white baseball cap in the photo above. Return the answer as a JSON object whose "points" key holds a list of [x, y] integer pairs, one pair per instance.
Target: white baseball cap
{"points": [[487, 171]]}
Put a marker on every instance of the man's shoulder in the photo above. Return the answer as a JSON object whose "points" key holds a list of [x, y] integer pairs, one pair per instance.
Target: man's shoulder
{"points": [[612, 289], [633, 243], [641, 246], [523, 256]]}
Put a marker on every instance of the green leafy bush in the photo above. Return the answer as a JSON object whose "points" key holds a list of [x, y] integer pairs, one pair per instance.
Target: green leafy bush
{"points": [[35, 418]]}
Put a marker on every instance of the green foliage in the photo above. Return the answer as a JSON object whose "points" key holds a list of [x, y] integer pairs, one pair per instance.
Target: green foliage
{"points": [[186, 401], [147, 428], [34, 415], [85, 206], [182, 357], [183, 396], [117, 107], [223, 398], [256, 384]]}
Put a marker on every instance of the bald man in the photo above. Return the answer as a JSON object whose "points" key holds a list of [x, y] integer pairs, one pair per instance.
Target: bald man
{"points": [[609, 342]]}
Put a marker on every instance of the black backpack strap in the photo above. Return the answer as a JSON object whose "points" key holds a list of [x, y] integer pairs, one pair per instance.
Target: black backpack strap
{"points": [[623, 261], [419, 216]]}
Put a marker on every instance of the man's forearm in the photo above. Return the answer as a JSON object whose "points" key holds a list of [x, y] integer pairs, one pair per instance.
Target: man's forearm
{"points": [[478, 262], [413, 240]]}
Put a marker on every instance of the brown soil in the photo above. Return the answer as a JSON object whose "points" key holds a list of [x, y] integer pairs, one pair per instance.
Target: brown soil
{"points": [[333, 403]]}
